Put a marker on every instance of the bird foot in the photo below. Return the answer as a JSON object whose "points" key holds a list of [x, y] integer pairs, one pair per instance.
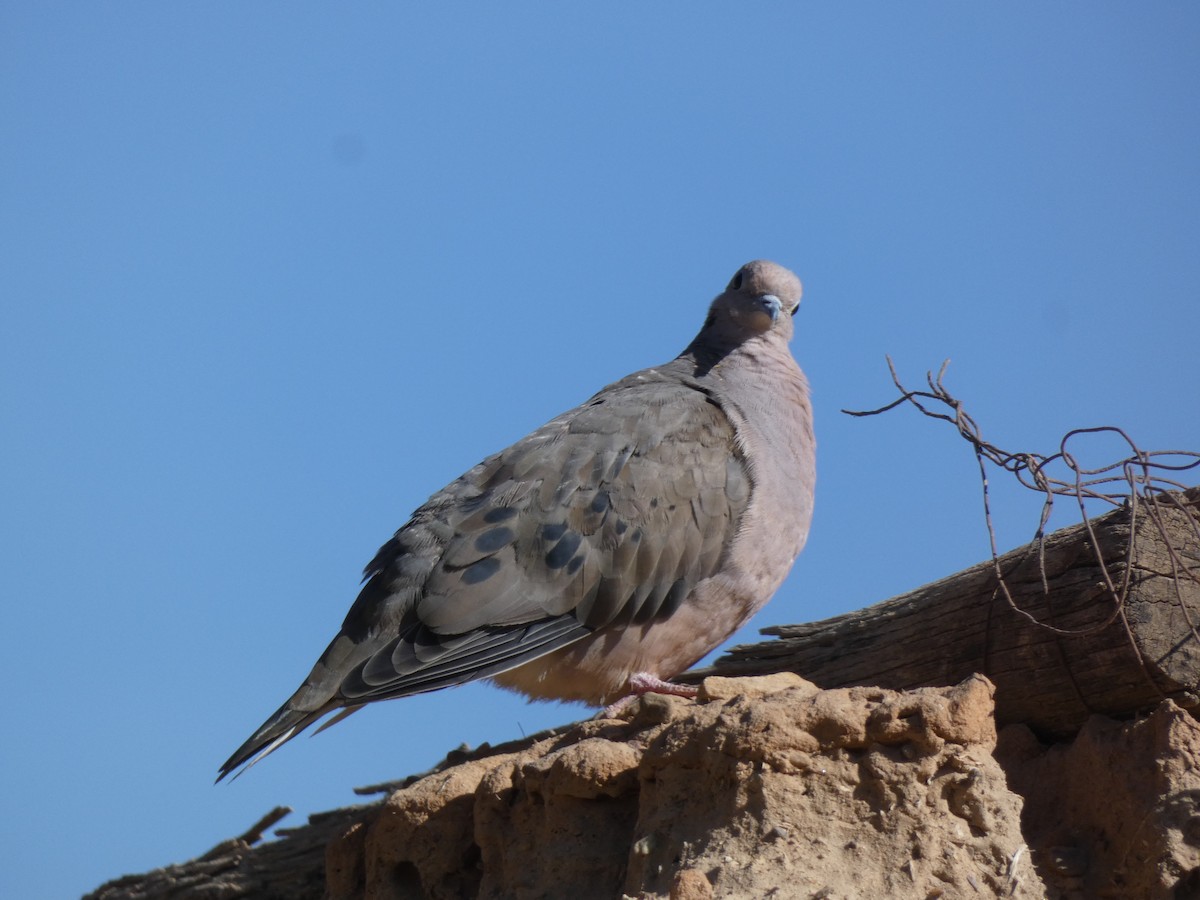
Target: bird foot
{"points": [[646, 683]]}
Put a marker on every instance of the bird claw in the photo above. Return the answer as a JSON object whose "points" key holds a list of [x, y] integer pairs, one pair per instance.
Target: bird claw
{"points": [[646, 683]]}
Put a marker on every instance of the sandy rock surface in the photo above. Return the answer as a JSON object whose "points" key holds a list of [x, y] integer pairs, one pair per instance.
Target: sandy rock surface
{"points": [[762, 787], [765, 787]]}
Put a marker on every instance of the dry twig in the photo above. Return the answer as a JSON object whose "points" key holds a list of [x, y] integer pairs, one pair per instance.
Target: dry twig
{"points": [[1139, 480]]}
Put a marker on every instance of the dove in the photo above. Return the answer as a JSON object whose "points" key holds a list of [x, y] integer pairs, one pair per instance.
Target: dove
{"points": [[605, 552]]}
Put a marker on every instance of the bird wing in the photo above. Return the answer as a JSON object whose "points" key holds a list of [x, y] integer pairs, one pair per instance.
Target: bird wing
{"points": [[610, 513]]}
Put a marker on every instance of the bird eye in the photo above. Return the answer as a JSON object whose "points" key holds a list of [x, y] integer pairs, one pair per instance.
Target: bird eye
{"points": [[736, 284]]}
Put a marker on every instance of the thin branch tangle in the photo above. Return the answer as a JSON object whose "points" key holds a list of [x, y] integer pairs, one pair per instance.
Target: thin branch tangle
{"points": [[1140, 480]]}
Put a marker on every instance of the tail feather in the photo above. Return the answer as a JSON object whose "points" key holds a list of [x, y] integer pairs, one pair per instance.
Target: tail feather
{"points": [[329, 723], [284, 725]]}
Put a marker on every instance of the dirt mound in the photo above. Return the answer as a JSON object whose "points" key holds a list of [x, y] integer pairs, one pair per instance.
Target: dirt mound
{"points": [[764, 787], [1114, 813]]}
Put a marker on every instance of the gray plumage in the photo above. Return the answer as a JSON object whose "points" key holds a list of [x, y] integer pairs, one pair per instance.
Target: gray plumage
{"points": [[626, 537]]}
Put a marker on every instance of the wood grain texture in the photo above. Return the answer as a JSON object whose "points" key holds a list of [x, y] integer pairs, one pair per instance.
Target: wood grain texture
{"points": [[1114, 659]]}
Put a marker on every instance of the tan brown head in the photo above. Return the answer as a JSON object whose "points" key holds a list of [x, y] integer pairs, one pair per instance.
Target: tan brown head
{"points": [[760, 299]]}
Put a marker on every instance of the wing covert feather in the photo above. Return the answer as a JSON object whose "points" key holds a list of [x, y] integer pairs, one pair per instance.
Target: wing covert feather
{"points": [[612, 512]]}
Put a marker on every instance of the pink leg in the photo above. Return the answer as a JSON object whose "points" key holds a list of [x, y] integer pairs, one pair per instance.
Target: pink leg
{"points": [[647, 683]]}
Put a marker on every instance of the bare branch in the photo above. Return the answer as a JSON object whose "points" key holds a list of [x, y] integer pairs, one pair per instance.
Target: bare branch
{"points": [[1136, 480]]}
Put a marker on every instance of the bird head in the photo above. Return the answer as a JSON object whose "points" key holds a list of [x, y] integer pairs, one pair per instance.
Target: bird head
{"points": [[760, 300]]}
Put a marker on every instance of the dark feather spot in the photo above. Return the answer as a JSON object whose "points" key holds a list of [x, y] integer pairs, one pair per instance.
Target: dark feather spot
{"points": [[481, 571], [563, 551], [574, 564], [600, 502], [622, 526], [553, 532], [494, 538], [675, 596], [661, 604], [499, 514]]}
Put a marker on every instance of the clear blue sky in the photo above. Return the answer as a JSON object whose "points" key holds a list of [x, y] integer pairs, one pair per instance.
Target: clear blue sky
{"points": [[273, 273]]}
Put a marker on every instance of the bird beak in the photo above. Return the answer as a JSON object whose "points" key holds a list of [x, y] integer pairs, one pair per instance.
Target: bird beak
{"points": [[771, 305]]}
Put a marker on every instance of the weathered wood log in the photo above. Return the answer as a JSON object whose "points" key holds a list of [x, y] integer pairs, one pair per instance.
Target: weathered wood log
{"points": [[1097, 656], [291, 869]]}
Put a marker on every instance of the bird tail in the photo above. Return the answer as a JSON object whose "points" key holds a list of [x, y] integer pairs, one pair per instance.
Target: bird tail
{"points": [[285, 724]]}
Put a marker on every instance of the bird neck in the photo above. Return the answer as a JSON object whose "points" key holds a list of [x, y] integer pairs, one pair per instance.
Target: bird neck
{"points": [[711, 351]]}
